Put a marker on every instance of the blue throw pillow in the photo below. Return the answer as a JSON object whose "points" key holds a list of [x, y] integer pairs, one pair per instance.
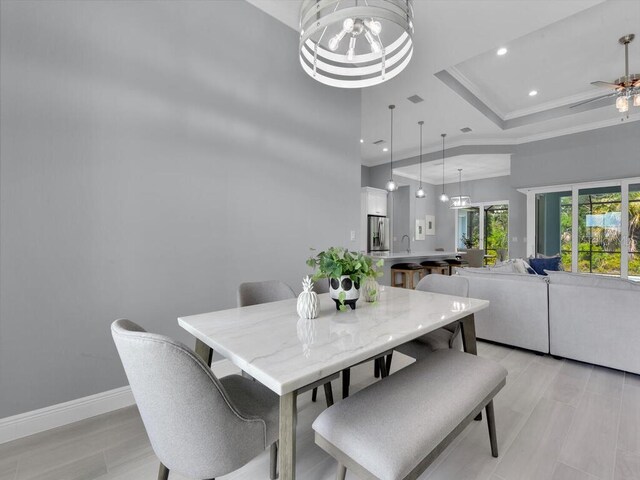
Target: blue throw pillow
{"points": [[542, 264]]}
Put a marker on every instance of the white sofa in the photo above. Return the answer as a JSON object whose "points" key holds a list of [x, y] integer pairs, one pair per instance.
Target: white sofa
{"points": [[589, 318], [595, 319], [517, 314]]}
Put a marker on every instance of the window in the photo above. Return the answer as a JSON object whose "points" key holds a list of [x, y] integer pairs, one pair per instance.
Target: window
{"points": [[485, 226], [594, 226]]}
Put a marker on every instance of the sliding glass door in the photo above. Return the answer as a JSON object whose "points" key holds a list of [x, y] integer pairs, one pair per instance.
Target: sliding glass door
{"points": [[484, 226], [595, 227], [632, 240], [496, 231], [600, 236]]}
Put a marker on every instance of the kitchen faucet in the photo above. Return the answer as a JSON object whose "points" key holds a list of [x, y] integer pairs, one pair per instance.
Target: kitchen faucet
{"points": [[408, 243]]}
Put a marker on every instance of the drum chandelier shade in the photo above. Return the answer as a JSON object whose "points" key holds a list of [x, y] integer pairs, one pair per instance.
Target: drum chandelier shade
{"points": [[355, 43], [460, 201]]}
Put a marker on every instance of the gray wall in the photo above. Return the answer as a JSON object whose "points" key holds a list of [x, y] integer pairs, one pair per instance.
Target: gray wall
{"points": [[153, 156], [603, 154], [486, 190]]}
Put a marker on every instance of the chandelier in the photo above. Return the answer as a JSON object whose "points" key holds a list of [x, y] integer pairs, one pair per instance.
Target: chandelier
{"points": [[355, 43], [460, 201]]}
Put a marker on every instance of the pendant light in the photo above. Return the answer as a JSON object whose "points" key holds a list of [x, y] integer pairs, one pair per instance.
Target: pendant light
{"points": [[391, 185], [444, 198], [420, 193], [461, 201]]}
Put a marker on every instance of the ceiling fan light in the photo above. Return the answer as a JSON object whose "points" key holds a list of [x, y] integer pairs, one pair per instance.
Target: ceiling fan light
{"points": [[622, 104], [636, 100]]}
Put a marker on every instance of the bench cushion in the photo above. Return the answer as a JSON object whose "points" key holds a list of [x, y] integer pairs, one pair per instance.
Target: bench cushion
{"points": [[389, 427]]}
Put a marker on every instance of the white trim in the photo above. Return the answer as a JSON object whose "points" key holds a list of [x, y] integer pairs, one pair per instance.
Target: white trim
{"points": [[432, 148], [36, 421], [624, 230], [575, 230]]}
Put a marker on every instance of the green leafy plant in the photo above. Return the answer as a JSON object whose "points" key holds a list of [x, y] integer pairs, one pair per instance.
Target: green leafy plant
{"points": [[335, 262], [469, 242]]}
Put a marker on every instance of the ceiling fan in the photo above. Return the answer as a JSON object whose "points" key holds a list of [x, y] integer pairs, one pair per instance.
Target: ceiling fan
{"points": [[625, 87]]}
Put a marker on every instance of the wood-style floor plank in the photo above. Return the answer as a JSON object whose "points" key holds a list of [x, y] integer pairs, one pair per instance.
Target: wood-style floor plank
{"points": [[533, 454], [627, 466], [565, 472], [540, 394], [570, 382], [591, 442], [629, 433]]}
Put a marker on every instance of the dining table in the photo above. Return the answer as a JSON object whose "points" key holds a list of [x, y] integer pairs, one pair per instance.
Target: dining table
{"points": [[289, 354]]}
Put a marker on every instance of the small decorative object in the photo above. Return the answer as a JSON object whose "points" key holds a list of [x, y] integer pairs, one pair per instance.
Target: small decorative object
{"points": [[308, 300], [370, 289], [430, 225], [420, 229], [346, 272]]}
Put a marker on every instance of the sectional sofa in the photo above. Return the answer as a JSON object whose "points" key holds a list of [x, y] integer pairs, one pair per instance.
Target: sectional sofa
{"points": [[590, 318]]}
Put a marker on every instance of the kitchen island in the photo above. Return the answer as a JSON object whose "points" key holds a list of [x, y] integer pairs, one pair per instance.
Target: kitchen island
{"points": [[391, 258]]}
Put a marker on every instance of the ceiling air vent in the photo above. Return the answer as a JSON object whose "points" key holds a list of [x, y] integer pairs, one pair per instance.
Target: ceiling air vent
{"points": [[378, 142], [465, 130], [415, 99]]}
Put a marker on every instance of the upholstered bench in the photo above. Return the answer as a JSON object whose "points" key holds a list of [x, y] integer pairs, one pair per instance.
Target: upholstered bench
{"points": [[395, 428]]}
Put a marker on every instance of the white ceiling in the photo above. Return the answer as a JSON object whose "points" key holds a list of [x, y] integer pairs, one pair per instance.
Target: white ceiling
{"points": [[474, 167], [558, 61], [556, 47]]}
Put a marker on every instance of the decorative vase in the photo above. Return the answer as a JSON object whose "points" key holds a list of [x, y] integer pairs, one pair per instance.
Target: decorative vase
{"points": [[370, 289], [350, 288], [308, 300]]}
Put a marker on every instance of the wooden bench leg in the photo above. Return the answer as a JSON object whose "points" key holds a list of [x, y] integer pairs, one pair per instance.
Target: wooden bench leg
{"points": [[383, 367], [346, 381], [163, 473], [341, 473], [376, 369], [328, 393], [468, 328], [314, 394], [491, 422], [389, 357], [273, 461]]}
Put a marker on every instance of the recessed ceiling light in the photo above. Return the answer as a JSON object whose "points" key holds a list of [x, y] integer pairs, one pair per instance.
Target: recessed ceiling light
{"points": [[385, 149], [533, 93], [501, 51], [362, 140]]}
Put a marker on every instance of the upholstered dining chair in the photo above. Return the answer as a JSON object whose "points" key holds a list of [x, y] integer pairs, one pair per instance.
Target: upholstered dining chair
{"points": [[253, 293], [445, 337], [199, 426]]}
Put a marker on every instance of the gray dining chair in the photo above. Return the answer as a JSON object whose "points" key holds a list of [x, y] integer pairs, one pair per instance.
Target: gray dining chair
{"points": [[254, 293], [199, 426], [445, 337]]}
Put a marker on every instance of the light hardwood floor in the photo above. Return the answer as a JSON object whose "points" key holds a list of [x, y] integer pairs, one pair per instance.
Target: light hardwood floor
{"points": [[556, 420]]}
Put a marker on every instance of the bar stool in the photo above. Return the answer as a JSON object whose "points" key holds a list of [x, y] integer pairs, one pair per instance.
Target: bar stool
{"points": [[435, 266], [407, 271]]}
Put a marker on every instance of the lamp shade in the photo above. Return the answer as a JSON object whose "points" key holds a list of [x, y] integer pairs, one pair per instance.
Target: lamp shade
{"points": [[355, 43]]}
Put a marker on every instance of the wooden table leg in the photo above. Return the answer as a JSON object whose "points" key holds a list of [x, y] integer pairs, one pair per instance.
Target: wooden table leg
{"points": [[468, 330], [287, 443], [468, 327], [204, 352]]}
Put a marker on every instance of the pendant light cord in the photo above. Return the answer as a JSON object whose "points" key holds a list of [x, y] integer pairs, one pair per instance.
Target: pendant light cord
{"points": [[421, 123], [443, 135], [391, 107]]}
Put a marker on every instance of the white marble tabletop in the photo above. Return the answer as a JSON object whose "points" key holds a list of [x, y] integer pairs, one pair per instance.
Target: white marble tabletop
{"points": [[285, 353]]}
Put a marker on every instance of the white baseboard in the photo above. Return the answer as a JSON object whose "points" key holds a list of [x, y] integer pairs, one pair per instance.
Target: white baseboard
{"points": [[36, 421]]}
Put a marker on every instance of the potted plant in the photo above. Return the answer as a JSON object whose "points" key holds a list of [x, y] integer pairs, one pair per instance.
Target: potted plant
{"points": [[469, 242], [346, 272]]}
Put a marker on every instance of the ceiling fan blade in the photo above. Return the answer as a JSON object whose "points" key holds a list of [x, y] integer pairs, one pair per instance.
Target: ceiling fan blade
{"points": [[594, 99], [606, 84], [636, 83]]}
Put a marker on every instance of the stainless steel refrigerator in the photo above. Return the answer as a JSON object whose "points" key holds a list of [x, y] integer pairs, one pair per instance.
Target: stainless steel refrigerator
{"points": [[377, 234]]}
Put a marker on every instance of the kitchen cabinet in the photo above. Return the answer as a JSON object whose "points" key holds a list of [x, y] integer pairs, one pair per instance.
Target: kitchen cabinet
{"points": [[375, 201]]}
